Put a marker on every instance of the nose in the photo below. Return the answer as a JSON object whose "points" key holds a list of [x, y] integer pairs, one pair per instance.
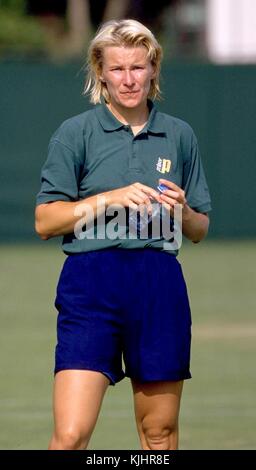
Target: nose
{"points": [[128, 78]]}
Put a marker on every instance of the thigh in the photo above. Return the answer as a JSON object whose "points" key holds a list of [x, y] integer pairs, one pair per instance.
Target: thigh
{"points": [[157, 406], [77, 399]]}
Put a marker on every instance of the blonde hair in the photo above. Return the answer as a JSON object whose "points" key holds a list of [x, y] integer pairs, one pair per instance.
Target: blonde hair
{"points": [[127, 33]]}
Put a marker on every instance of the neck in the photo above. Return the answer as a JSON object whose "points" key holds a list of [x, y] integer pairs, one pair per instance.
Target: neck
{"points": [[132, 116]]}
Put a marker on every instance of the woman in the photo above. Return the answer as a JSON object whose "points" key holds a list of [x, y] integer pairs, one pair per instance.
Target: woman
{"points": [[124, 295]]}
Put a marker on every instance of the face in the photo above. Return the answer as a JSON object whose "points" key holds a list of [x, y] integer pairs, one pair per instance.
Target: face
{"points": [[127, 73]]}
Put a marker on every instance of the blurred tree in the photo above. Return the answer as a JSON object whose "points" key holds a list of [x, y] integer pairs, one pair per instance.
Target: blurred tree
{"points": [[115, 9], [67, 25], [16, 5], [62, 29], [51, 17], [79, 27], [19, 34]]}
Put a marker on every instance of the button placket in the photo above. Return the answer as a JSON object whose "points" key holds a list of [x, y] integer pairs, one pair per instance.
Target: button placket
{"points": [[134, 162]]}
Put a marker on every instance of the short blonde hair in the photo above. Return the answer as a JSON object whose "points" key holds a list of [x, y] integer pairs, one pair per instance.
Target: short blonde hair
{"points": [[127, 33]]}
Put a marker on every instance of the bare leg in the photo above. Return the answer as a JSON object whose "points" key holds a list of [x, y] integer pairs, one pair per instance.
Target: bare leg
{"points": [[78, 396], [157, 407]]}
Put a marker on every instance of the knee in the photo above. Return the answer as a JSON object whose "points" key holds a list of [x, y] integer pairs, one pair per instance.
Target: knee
{"points": [[69, 439], [160, 435]]}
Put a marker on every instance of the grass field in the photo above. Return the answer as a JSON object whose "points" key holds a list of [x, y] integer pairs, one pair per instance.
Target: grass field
{"points": [[219, 403]]}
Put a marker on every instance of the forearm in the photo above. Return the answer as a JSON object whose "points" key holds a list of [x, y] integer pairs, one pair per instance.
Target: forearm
{"points": [[59, 217], [194, 224]]}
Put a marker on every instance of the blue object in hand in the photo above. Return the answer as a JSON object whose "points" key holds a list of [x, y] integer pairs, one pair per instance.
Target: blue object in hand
{"points": [[161, 187], [139, 221]]}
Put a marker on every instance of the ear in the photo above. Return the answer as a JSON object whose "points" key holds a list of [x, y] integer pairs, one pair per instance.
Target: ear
{"points": [[153, 72]]}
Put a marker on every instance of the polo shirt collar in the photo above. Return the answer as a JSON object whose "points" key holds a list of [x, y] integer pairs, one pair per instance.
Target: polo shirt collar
{"points": [[107, 119], [110, 123], [155, 122]]}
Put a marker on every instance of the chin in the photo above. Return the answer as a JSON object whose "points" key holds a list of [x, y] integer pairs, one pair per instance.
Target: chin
{"points": [[131, 102]]}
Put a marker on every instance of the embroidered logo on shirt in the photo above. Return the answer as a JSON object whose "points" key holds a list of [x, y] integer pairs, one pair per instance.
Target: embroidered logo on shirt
{"points": [[163, 165]]}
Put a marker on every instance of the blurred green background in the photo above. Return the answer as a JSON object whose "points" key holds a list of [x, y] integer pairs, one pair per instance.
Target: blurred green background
{"points": [[39, 89]]}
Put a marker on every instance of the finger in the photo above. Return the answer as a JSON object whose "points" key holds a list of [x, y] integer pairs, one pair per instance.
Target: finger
{"points": [[169, 209], [178, 196], [168, 200], [146, 189], [145, 209], [145, 199], [171, 193], [137, 197], [170, 184], [149, 208], [132, 206]]}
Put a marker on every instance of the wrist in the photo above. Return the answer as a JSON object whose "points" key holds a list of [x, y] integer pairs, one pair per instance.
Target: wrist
{"points": [[108, 198], [186, 212]]}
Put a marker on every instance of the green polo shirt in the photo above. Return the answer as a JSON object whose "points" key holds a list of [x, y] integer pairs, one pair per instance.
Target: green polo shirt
{"points": [[94, 152]]}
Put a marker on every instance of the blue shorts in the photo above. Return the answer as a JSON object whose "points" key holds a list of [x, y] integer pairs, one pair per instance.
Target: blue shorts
{"points": [[124, 307]]}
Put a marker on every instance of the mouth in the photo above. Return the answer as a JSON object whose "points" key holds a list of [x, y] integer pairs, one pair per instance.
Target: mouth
{"points": [[129, 93]]}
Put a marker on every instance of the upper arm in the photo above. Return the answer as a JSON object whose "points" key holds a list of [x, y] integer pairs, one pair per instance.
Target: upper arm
{"points": [[61, 173], [194, 179]]}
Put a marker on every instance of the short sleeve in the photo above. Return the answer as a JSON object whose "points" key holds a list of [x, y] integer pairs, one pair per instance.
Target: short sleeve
{"points": [[60, 175], [194, 180]]}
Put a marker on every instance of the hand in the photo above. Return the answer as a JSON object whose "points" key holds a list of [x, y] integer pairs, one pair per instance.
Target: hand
{"points": [[173, 195], [133, 196]]}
